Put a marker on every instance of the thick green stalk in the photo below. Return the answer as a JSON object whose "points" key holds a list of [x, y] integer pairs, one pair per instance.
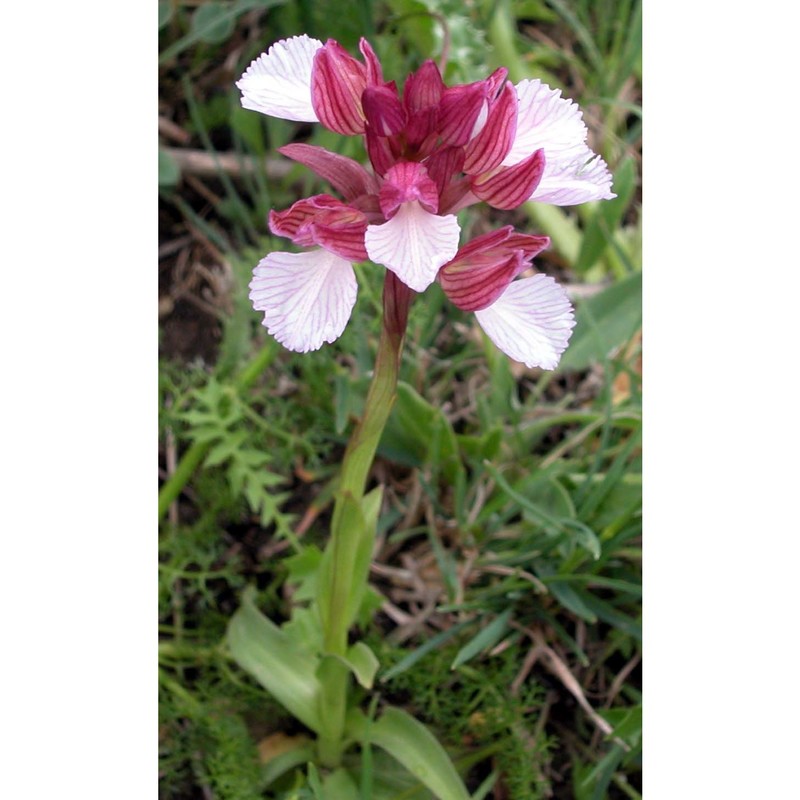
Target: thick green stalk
{"points": [[194, 456], [382, 391], [359, 455], [356, 463]]}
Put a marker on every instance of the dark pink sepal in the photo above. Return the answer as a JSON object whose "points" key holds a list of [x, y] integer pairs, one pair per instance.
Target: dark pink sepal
{"points": [[508, 187], [337, 83], [384, 111], [459, 110], [348, 177], [488, 149]]}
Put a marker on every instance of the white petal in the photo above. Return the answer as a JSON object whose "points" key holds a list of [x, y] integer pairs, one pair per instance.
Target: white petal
{"points": [[579, 180], [530, 322], [413, 244], [306, 298], [278, 82], [545, 120]]}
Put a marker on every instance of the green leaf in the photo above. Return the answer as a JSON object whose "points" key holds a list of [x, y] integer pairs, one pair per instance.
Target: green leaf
{"points": [[213, 23], [418, 653], [548, 494], [574, 530], [607, 613], [339, 785], [604, 322], [275, 660], [570, 599], [598, 778], [416, 24], [301, 752], [250, 5], [371, 603], [341, 395], [169, 173], [627, 724], [164, 13], [534, 9], [363, 663], [418, 433], [487, 638], [585, 537], [478, 448], [303, 568], [304, 628], [226, 449], [415, 747], [314, 783]]}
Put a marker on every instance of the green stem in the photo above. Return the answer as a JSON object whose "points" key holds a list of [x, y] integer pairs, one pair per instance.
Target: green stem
{"points": [[194, 456], [358, 457], [363, 443]]}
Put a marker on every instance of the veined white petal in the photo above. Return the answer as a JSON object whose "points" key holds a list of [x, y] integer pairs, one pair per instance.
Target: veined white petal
{"points": [[306, 298], [578, 180], [278, 82], [545, 120], [530, 322], [413, 244]]}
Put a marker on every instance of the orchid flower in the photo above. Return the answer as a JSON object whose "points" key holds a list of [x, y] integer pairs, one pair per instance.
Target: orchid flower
{"points": [[434, 150]]}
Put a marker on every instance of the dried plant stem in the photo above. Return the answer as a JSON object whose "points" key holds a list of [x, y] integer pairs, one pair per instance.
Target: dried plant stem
{"points": [[209, 165]]}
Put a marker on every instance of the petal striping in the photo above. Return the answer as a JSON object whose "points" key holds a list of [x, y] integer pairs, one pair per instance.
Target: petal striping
{"points": [[307, 298], [413, 244], [530, 322]]}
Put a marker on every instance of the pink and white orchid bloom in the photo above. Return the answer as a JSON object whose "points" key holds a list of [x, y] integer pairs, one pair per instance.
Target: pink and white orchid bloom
{"points": [[307, 297], [531, 319], [434, 150]]}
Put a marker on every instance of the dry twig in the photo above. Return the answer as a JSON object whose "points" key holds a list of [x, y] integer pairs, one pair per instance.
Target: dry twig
{"points": [[209, 165], [554, 663]]}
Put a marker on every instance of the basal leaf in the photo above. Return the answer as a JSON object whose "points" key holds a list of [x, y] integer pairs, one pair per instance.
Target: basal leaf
{"points": [[274, 659], [415, 747]]}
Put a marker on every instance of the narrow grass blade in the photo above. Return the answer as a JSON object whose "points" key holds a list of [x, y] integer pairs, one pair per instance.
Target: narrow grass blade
{"points": [[428, 647], [487, 638]]}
